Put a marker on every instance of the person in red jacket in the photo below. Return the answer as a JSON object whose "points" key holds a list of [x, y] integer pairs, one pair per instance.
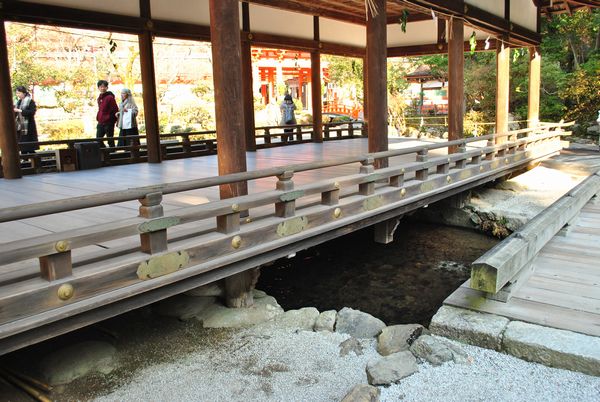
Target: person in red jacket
{"points": [[106, 117]]}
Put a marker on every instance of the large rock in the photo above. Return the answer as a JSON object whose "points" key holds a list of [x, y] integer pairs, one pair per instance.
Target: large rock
{"points": [[392, 368], [302, 319], [72, 362], [467, 326], [436, 351], [397, 338], [553, 347], [326, 321], [363, 393], [219, 316], [358, 324]]}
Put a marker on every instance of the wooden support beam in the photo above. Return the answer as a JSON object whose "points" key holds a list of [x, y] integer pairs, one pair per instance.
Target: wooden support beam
{"points": [[315, 86], [456, 96], [247, 84], [227, 73], [535, 65], [149, 88], [502, 89], [377, 82], [8, 138], [227, 78], [384, 231]]}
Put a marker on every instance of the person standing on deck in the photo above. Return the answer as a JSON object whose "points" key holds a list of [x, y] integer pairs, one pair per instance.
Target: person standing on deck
{"points": [[26, 127], [288, 117], [127, 118], [107, 111]]}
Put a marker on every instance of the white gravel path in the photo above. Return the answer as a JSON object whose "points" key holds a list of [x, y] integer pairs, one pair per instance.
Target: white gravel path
{"points": [[284, 365]]}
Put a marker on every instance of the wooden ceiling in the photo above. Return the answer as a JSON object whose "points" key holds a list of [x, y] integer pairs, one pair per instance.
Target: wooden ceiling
{"points": [[566, 6], [344, 10]]}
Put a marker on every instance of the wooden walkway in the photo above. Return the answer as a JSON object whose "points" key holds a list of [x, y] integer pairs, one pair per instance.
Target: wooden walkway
{"points": [[564, 290]]}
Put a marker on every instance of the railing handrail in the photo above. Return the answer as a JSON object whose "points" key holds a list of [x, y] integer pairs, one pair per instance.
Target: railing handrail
{"points": [[75, 203]]}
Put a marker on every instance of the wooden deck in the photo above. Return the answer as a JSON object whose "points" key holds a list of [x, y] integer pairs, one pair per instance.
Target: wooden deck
{"points": [[564, 290]]}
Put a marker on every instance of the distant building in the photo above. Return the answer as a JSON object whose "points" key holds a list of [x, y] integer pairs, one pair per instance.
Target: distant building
{"points": [[428, 93]]}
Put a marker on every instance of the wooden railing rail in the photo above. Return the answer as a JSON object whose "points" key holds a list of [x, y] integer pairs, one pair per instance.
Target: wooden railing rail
{"points": [[69, 283]]}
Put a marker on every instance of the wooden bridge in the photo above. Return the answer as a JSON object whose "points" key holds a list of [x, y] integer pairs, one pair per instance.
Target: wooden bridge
{"points": [[69, 262]]}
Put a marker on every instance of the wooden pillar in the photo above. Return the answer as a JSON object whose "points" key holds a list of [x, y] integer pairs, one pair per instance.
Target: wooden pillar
{"points": [[247, 84], [315, 85], [377, 81], [502, 88], [456, 94], [365, 91], [8, 137], [229, 113], [535, 66], [149, 86]]}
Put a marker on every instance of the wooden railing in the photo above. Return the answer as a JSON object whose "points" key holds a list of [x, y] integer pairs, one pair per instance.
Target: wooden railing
{"points": [[181, 145], [501, 271], [60, 285]]}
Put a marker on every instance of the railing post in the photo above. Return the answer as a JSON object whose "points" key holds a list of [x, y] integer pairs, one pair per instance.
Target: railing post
{"points": [[187, 145], [331, 197], [444, 168], [59, 265], [326, 130], [229, 223], [299, 133], [350, 130], [397, 180], [285, 208], [150, 208], [422, 156], [461, 163], [490, 155], [267, 136], [367, 168]]}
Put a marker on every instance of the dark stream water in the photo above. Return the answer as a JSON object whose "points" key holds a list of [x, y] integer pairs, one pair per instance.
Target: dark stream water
{"points": [[405, 281]]}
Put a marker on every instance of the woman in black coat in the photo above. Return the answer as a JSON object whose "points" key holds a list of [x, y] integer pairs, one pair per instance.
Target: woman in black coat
{"points": [[25, 111]]}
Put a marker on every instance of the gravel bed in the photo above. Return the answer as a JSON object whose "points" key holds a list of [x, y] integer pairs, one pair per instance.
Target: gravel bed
{"points": [[284, 365]]}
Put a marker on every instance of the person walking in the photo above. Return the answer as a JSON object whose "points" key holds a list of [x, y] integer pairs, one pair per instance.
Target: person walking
{"points": [[127, 118], [288, 118], [107, 114], [26, 128]]}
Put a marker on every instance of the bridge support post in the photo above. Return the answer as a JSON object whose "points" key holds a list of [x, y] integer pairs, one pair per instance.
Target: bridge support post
{"points": [[377, 81], [149, 88], [315, 86], [247, 84], [456, 61], [502, 89], [384, 231], [533, 109]]}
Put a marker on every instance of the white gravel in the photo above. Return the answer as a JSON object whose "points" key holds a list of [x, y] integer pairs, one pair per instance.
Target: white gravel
{"points": [[306, 366]]}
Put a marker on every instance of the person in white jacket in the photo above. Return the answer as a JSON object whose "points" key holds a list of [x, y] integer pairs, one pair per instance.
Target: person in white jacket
{"points": [[127, 118]]}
